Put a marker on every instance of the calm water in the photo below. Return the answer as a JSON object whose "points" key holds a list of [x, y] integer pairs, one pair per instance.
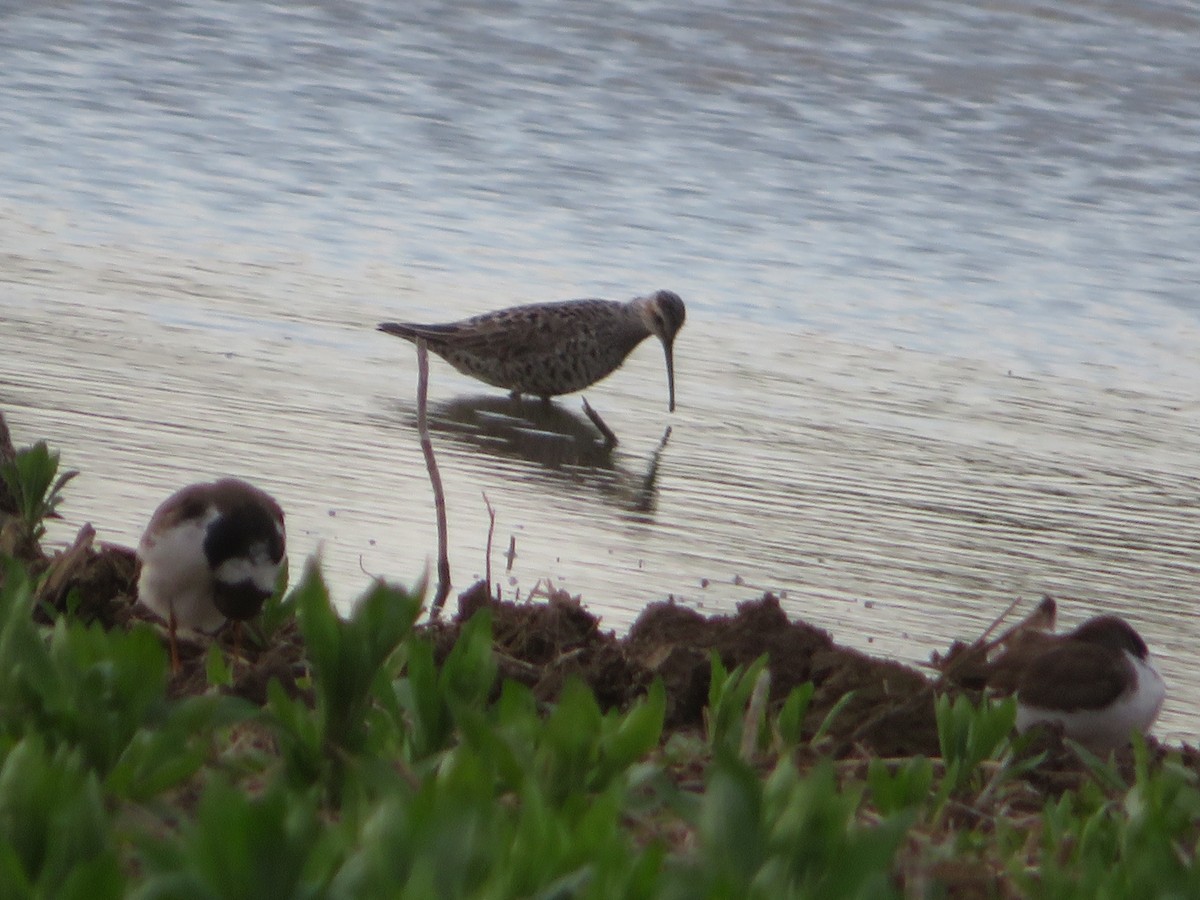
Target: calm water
{"points": [[940, 264]]}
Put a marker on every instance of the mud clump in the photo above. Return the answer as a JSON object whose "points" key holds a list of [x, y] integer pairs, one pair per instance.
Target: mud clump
{"points": [[87, 581], [677, 643], [543, 644]]}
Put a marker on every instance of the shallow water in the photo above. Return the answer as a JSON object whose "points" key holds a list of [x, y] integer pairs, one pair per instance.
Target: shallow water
{"points": [[939, 265], [897, 498]]}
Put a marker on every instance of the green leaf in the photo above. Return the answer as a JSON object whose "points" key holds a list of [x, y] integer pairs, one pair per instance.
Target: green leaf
{"points": [[628, 737], [900, 790], [160, 758], [831, 716], [569, 747], [347, 655], [53, 817], [420, 694], [789, 724], [729, 696], [469, 671], [216, 670], [968, 735], [30, 478], [302, 742], [272, 844], [733, 840]]}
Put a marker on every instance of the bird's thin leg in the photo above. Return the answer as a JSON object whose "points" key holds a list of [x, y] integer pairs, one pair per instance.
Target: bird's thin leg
{"points": [[176, 665], [237, 639], [610, 438]]}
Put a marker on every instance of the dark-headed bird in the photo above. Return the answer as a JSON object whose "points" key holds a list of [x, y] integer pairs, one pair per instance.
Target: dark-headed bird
{"points": [[211, 552], [1097, 683]]}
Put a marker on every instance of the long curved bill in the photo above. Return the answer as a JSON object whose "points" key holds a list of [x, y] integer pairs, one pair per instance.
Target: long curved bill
{"points": [[670, 352]]}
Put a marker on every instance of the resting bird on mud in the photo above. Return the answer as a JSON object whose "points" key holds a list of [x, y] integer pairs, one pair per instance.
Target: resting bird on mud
{"points": [[1097, 683], [211, 552], [547, 349]]}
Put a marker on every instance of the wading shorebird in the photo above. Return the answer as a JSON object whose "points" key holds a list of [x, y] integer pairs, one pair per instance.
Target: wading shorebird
{"points": [[547, 349], [1097, 683], [211, 552]]}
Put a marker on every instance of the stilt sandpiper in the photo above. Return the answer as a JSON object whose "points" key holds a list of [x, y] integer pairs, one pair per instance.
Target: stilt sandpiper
{"points": [[547, 349]]}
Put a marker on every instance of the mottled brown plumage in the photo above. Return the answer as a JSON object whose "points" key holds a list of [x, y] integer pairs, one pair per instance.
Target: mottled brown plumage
{"points": [[547, 349]]}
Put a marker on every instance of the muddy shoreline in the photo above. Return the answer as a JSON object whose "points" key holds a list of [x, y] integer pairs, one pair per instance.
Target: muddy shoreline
{"points": [[546, 642]]}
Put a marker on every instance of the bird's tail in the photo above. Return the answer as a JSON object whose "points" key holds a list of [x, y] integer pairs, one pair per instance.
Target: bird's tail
{"points": [[411, 332]]}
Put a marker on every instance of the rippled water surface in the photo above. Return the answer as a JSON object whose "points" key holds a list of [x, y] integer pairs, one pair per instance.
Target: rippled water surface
{"points": [[939, 260]]}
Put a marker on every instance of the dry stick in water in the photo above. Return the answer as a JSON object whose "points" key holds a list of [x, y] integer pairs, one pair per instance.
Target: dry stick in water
{"points": [[439, 497], [487, 561]]}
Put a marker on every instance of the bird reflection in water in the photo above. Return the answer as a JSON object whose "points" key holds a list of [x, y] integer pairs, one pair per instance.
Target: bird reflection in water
{"points": [[552, 437]]}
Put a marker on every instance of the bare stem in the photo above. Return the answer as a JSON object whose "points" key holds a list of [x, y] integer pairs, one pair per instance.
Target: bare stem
{"points": [[439, 496], [512, 552], [487, 561]]}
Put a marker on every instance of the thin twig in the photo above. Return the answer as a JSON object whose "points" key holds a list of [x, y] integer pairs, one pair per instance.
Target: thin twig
{"points": [[1000, 618], [487, 560], [439, 496], [512, 552]]}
